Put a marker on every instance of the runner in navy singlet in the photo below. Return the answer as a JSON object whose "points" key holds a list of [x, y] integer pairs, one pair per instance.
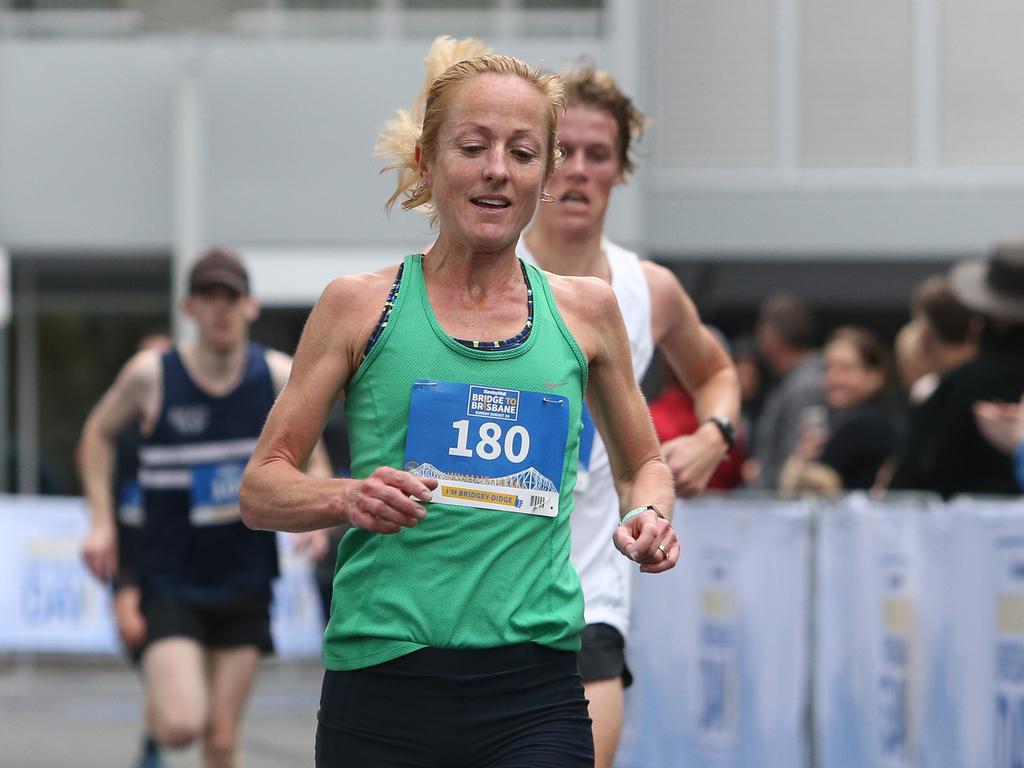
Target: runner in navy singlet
{"points": [[205, 578]]}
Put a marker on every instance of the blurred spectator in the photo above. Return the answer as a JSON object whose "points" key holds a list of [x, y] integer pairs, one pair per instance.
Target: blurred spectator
{"points": [[919, 378], [945, 452], [861, 428], [675, 414], [752, 376], [786, 335], [948, 338], [917, 372], [1002, 424], [801, 479], [950, 331]]}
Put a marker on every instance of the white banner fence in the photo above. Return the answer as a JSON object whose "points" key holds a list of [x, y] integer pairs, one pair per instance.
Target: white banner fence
{"points": [[49, 602], [858, 634]]}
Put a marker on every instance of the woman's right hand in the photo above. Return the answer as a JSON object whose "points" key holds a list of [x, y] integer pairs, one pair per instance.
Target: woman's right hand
{"points": [[388, 500]]}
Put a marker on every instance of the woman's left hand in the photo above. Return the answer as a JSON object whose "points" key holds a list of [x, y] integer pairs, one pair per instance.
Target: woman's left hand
{"points": [[649, 540]]}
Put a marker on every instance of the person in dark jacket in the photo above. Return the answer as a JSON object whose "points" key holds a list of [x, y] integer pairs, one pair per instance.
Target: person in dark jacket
{"points": [[1002, 424], [860, 432], [953, 457], [949, 337]]}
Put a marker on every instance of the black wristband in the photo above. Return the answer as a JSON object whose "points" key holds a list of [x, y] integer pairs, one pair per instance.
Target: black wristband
{"points": [[726, 428]]}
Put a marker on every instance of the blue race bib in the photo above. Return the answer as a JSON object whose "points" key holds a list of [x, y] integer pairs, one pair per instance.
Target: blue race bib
{"points": [[215, 493], [129, 506], [489, 447]]}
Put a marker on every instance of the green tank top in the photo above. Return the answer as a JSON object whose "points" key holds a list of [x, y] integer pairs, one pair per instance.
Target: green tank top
{"points": [[464, 577]]}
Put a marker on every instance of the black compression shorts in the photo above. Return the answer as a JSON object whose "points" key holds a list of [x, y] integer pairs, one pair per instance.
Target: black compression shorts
{"points": [[603, 655]]}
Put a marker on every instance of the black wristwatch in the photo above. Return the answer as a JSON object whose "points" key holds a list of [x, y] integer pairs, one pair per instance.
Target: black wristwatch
{"points": [[726, 428]]}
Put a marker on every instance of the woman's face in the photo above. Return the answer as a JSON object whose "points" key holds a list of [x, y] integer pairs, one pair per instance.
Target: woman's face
{"points": [[847, 380], [487, 171], [583, 183]]}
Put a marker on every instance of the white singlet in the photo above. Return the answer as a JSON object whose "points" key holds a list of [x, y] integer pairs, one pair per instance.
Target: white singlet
{"points": [[606, 574]]}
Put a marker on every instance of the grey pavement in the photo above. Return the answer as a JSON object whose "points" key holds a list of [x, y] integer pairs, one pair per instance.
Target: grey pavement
{"points": [[79, 712]]}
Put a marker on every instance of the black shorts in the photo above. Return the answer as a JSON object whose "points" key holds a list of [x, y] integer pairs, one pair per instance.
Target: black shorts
{"points": [[228, 624], [603, 655], [520, 706]]}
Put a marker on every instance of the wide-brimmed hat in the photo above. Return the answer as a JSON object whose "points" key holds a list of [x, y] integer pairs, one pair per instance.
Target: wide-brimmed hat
{"points": [[995, 286], [219, 267]]}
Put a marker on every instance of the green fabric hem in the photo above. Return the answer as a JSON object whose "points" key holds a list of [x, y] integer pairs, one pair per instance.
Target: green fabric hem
{"points": [[401, 648]]}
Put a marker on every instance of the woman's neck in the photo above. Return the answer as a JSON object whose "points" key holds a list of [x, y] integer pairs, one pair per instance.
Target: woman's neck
{"points": [[450, 267]]}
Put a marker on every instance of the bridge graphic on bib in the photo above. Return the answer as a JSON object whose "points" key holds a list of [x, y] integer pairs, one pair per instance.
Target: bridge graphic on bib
{"points": [[528, 479]]}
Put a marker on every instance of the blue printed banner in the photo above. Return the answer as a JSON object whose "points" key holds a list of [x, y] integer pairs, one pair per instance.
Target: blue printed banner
{"points": [[883, 695], [489, 447], [51, 603], [48, 600], [718, 645]]}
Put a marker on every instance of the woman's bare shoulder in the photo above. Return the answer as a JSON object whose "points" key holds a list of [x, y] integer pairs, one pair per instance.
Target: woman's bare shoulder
{"points": [[586, 297], [588, 306], [352, 293]]}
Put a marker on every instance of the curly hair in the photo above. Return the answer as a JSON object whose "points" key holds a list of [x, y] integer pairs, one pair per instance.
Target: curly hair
{"points": [[588, 86]]}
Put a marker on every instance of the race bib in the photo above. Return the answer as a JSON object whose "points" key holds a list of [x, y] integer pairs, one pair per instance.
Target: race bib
{"points": [[215, 493], [489, 447], [129, 506]]}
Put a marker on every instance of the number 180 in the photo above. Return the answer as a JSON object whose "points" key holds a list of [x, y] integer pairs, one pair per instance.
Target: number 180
{"points": [[516, 443]]}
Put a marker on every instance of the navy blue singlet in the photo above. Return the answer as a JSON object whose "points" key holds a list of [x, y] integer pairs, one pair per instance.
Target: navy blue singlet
{"points": [[193, 544]]}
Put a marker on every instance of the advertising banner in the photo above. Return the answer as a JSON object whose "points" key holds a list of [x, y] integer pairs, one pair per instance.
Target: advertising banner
{"points": [[978, 693], [50, 602], [881, 633], [718, 645]]}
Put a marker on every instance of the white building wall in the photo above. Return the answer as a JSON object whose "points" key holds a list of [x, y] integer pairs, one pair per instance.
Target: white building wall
{"points": [[798, 127], [87, 139], [812, 128]]}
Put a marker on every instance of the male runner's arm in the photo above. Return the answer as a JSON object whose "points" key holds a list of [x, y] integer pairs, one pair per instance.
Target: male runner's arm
{"points": [[275, 493], [129, 398], [705, 371], [620, 414]]}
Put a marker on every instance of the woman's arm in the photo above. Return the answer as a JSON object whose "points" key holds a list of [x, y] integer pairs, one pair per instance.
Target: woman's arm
{"points": [[620, 413], [275, 493]]}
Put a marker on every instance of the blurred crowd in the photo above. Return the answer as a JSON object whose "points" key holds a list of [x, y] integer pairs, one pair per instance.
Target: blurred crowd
{"points": [[940, 410]]}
